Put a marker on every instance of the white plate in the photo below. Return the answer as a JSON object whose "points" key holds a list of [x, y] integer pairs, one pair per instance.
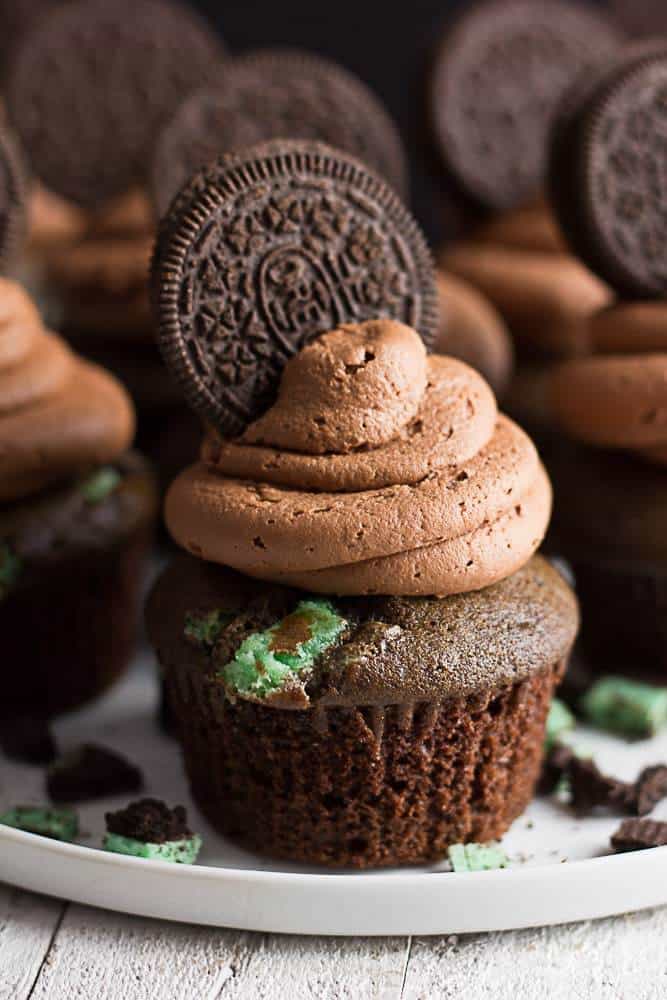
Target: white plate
{"points": [[559, 870]]}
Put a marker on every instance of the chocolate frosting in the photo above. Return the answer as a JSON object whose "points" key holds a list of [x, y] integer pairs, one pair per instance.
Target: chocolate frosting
{"points": [[379, 470], [617, 398], [58, 414]]}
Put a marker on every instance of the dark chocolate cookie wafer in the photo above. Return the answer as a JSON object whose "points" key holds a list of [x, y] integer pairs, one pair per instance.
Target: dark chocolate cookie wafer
{"points": [[498, 76], [606, 173], [265, 250], [95, 82], [278, 94], [13, 198], [642, 18]]}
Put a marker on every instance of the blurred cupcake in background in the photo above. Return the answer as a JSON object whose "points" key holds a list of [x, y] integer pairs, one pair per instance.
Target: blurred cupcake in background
{"points": [[611, 484], [497, 78], [76, 506], [89, 89]]}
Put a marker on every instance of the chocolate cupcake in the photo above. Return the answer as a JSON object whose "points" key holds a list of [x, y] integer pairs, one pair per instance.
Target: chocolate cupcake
{"points": [[610, 519], [75, 518], [330, 708]]}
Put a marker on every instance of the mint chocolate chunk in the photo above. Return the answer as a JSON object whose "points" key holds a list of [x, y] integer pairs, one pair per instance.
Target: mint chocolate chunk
{"points": [[150, 829], [101, 484], [205, 628], [10, 569], [476, 857], [560, 720], [626, 707], [268, 662], [58, 824]]}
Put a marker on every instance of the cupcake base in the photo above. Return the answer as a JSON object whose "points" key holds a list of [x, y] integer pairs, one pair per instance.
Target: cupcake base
{"points": [[368, 786], [69, 626]]}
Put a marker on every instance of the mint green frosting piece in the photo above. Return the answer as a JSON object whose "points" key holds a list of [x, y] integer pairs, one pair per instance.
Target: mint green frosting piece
{"points": [[266, 661], [476, 857], [10, 568], [101, 484], [206, 629], [626, 707], [178, 852], [559, 721], [59, 824]]}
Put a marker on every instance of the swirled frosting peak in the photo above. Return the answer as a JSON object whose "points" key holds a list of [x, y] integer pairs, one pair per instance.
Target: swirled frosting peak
{"points": [[378, 470], [58, 414]]}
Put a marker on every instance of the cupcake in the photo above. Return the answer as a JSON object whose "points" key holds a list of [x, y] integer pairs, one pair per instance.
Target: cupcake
{"points": [[359, 644], [500, 72], [76, 509], [92, 223], [611, 485]]}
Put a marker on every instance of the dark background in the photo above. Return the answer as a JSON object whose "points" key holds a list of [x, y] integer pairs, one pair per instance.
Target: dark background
{"points": [[386, 44]]}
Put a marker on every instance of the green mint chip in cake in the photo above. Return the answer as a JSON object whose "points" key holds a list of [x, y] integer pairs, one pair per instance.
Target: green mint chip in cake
{"points": [[626, 707], [58, 824], [149, 829], [476, 857], [205, 628], [101, 484], [559, 721], [267, 662], [10, 569]]}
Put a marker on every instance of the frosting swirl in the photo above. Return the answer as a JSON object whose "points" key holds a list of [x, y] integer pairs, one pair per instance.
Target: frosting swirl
{"points": [[58, 414], [377, 470], [617, 397]]}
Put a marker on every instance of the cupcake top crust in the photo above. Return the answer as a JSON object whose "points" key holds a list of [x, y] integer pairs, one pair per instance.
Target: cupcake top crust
{"points": [[59, 415]]}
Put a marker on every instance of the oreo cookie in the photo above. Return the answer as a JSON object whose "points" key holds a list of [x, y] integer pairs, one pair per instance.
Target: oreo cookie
{"points": [[498, 76], [264, 250], [13, 199], [94, 83], [278, 94], [606, 174], [642, 18]]}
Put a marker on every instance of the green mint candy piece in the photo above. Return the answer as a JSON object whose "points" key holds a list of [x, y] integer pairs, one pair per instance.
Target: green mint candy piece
{"points": [[476, 857], [626, 707], [559, 721], [178, 852], [100, 485], [10, 569], [59, 824], [206, 629], [266, 661]]}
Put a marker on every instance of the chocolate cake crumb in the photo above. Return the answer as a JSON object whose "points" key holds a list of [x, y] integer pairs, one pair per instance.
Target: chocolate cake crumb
{"points": [[590, 788], [151, 821], [650, 788], [638, 834], [27, 739], [91, 772]]}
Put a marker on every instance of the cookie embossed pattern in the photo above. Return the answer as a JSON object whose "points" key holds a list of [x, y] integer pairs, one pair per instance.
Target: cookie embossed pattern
{"points": [[279, 246]]}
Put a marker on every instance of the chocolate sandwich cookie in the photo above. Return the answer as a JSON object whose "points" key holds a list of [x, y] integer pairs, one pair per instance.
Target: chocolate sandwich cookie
{"points": [[93, 84], [606, 173], [268, 248], [498, 76], [278, 94]]}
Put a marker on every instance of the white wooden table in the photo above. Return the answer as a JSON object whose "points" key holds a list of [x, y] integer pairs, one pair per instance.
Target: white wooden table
{"points": [[57, 951]]}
